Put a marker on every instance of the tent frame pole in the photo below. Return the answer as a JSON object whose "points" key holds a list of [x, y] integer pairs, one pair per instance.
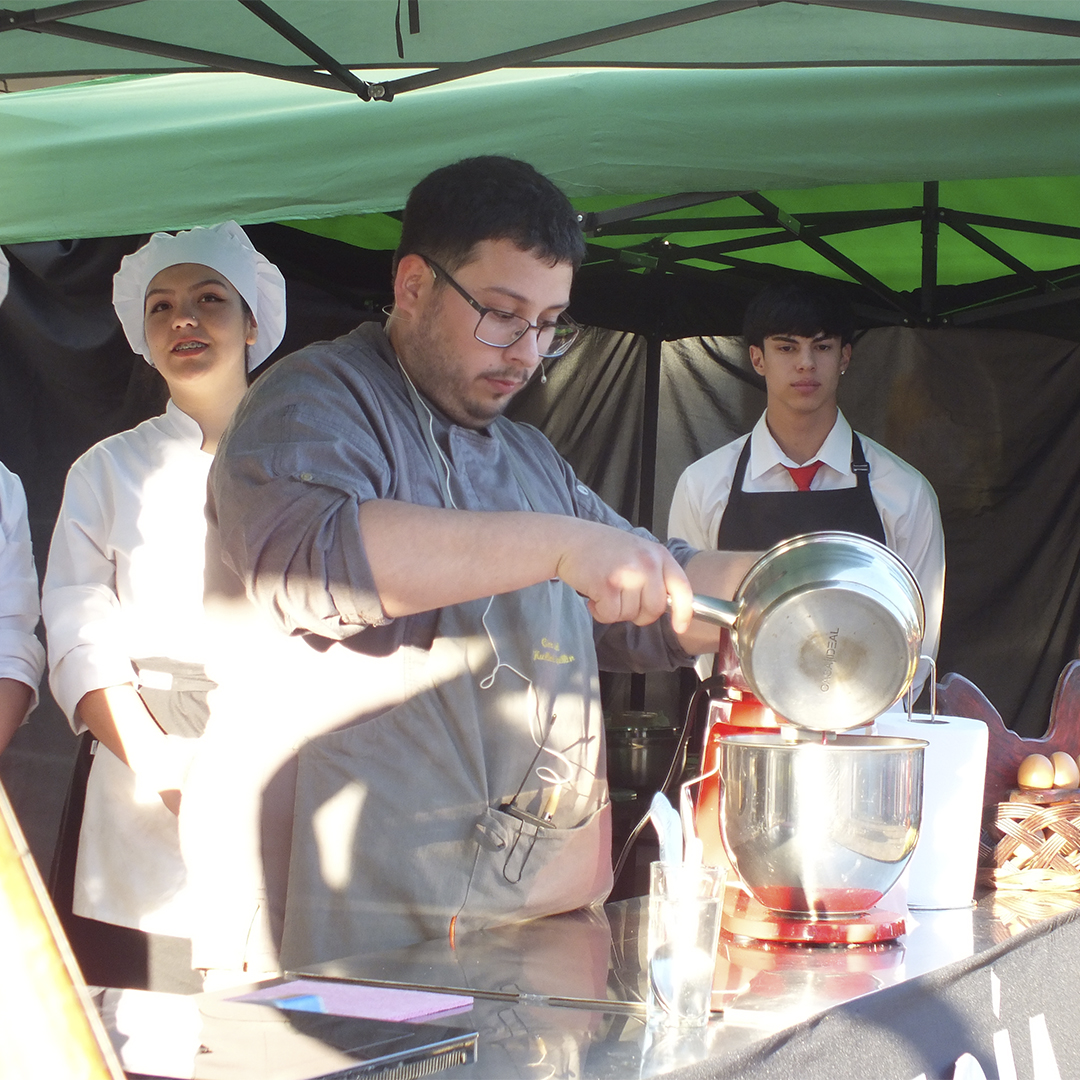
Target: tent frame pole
{"points": [[999, 20], [650, 431], [657, 253], [772, 212], [970, 316], [1021, 269], [1042, 228], [50, 20], [285, 29], [821, 223], [574, 43], [44, 21], [931, 225], [27, 20], [615, 220]]}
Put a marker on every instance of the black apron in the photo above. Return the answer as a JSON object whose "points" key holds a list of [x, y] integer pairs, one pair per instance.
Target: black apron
{"points": [[759, 520]]}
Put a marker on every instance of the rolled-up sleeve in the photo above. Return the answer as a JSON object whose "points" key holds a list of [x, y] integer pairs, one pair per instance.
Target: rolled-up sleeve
{"points": [[300, 457], [21, 655]]}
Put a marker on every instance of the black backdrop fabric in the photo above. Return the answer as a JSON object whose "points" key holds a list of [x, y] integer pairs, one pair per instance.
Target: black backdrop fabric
{"points": [[991, 417]]}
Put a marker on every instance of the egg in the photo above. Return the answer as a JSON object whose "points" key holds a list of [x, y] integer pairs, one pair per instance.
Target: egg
{"points": [[1036, 771], [1066, 773]]}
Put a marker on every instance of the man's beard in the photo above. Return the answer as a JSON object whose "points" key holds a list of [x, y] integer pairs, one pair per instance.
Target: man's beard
{"points": [[441, 381]]}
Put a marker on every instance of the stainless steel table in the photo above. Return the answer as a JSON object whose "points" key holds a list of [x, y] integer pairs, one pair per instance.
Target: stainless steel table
{"points": [[563, 997]]}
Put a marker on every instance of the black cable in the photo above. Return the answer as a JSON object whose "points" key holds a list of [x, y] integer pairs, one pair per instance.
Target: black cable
{"points": [[704, 689]]}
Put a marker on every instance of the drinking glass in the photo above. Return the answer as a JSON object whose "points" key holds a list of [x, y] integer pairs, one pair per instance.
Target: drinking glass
{"points": [[684, 930]]}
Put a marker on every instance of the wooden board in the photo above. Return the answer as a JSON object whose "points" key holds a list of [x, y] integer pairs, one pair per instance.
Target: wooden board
{"points": [[50, 1026], [957, 696]]}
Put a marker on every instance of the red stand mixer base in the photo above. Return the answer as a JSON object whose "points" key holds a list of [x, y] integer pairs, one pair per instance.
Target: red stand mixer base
{"points": [[743, 916]]}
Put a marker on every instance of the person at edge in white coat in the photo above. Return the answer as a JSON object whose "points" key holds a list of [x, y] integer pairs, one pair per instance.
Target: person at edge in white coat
{"points": [[802, 469], [123, 592], [22, 659], [435, 590]]}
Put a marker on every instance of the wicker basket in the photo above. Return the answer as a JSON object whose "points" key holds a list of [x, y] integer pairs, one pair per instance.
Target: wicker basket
{"points": [[1033, 842]]}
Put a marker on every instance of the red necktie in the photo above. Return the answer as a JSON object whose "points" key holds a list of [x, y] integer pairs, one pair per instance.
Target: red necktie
{"points": [[804, 474]]}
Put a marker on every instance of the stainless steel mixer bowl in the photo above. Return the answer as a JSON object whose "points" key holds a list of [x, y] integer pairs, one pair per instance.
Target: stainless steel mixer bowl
{"points": [[821, 827]]}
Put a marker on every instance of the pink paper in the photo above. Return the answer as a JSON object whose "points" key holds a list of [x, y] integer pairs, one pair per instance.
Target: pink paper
{"points": [[351, 999]]}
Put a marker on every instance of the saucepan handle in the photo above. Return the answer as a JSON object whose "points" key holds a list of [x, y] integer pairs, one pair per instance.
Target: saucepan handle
{"points": [[721, 612], [909, 695]]}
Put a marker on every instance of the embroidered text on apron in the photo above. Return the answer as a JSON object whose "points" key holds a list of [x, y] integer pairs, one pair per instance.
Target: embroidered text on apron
{"points": [[481, 799]]}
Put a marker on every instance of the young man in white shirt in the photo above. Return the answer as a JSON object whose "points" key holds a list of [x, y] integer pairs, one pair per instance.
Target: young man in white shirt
{"points": [[801, 469]]}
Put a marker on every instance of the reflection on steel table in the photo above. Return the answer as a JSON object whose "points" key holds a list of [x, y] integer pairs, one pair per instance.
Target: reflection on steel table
{"points": [[564, 996]]}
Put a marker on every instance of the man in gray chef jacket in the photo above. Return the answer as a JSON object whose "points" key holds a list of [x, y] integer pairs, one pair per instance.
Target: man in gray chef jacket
{"points": [[459, 585]]}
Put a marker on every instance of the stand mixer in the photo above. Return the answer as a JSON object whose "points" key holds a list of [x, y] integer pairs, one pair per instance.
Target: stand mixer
{"points": [[815, 823]]}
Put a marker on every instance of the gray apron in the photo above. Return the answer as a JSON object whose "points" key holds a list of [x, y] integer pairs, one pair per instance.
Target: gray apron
{"points": [[481, 799]]}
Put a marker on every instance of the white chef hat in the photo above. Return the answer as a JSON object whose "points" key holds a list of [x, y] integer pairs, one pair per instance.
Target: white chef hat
{"points": [[224, 248], [3, 275]]}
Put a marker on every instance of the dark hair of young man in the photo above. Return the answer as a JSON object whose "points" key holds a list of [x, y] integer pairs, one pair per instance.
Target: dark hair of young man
{"points": [[488, 198], [799, 307]]}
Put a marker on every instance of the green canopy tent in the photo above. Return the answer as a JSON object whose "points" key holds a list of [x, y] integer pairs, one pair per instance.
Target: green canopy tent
{"points": [[925, 154], [619, 101], [615, 100]]}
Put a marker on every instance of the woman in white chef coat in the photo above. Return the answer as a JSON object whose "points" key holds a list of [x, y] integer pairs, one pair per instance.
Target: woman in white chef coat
{"points": [[123, 592], [22, 659]]}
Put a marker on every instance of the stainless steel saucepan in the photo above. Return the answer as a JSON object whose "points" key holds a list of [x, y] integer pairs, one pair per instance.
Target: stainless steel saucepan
{"points": [[828, 628]]}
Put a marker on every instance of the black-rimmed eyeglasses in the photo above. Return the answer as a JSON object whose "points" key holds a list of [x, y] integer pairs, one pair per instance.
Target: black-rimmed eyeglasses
{"points": [[501, 329]]}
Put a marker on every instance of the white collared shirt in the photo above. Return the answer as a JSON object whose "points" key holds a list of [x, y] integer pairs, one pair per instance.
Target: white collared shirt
{"points": [[904, 499], [125, 574], [21, 656]]}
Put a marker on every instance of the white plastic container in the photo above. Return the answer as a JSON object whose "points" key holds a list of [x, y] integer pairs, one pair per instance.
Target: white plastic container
{"points": [[941, 873]]}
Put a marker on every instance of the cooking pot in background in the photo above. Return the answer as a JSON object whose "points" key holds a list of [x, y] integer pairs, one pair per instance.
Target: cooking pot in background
{"points": [[641, 748], [828, 628]]}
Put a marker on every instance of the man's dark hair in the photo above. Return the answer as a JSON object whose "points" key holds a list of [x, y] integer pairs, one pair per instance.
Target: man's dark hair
{"points": [[802, 307], [488, 198]]}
